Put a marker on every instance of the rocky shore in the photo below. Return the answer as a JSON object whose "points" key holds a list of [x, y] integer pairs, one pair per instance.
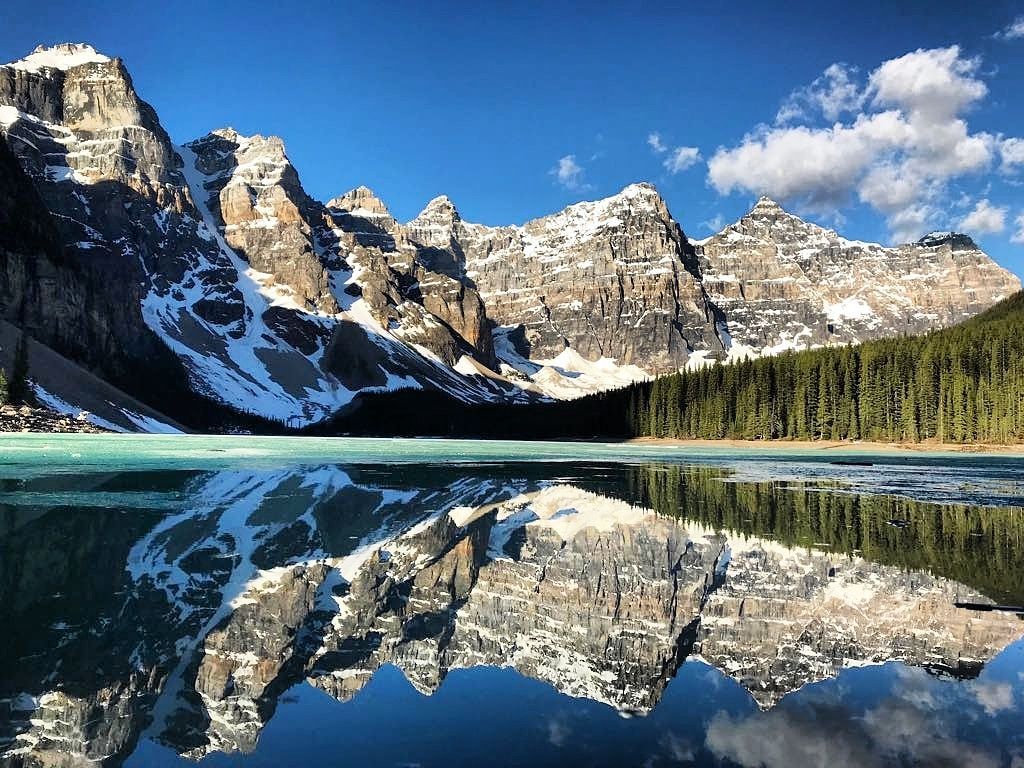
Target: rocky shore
{"points": [[27, 419]]}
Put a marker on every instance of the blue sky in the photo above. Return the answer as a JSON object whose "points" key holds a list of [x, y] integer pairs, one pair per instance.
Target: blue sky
{"points": [[485, 103]]}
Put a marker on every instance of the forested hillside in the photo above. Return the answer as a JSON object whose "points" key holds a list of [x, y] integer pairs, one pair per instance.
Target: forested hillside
{"points": [[962, 384]]}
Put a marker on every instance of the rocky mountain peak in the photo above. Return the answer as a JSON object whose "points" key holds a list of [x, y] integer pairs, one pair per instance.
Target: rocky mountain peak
{"points": [[640, 189], [256, 143], [441, 208], [957, 241], [641, 194], [227, 132], [62, 56], [435, 226], [361, 201], [765, 206]]}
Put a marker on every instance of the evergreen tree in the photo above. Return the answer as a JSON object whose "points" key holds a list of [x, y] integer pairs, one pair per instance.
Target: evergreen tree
{"points": [[19, 388]]}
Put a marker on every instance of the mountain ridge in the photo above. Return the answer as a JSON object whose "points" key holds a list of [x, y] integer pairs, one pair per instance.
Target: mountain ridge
{"points": [[273, 301]]}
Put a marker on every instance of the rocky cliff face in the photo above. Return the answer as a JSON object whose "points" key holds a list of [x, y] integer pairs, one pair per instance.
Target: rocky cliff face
{"points": [[784, 618], [208, 257], [783, 283], [258, 296]]}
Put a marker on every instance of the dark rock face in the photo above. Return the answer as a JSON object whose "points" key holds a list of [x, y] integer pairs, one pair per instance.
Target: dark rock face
{"points": [[60, 290]]}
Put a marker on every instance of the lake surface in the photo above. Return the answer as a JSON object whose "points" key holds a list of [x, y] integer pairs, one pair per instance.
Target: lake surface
{"points": [[299, 602]]}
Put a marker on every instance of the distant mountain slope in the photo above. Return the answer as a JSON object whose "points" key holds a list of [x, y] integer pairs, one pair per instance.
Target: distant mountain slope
{"points": [[204, 273], [963, 384], [68, 388], [786, 284]]}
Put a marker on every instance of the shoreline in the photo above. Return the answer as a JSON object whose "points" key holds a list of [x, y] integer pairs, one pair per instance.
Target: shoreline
{"points": [[754, 446], [871, 446]]}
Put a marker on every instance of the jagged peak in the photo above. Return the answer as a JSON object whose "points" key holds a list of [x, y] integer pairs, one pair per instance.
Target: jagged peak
{"points": [[242, 141], [957, 240], [63, 56], [361, 199], [766, 206], [227, 132], [440, 206], [641, 189]]}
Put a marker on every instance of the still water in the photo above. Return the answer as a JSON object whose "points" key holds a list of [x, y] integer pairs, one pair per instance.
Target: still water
{"points": [[299, 602]]}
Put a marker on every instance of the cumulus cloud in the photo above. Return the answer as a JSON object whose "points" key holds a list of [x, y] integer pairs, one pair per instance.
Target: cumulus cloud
{"points": [[1012, 152], [984, 219], [904, 139], [937, 82], [831, 95], [716, 223], [681, 158], [677, 159], [569, 174], [833, 737], [994, 697], [1013, 31], [655, 142], [1018, 237]]}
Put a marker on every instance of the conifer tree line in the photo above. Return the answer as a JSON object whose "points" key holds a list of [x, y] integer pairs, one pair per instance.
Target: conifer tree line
{"points": [[961, 384], [975, 545], [17, 389]]}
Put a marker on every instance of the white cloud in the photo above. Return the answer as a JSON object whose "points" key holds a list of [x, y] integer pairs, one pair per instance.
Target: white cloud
{"points": [[1013, 31], [677, 159], [898, 153], [1012, 151], [1018, 237], [984, 219], [569, 174], [937, 82], [716, 223], [832, 94], [654, 142], [832, 736], [681, 158], [822, 165], [994, 697], [677, 749], [558, 731]]}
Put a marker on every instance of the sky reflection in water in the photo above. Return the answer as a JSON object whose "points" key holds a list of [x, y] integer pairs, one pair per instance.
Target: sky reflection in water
{"points": [[720, 609]]}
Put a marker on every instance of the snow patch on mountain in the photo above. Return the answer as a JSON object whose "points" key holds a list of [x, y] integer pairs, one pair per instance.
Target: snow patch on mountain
{"points": [[564, 377], [232, 363], [63, 57]]}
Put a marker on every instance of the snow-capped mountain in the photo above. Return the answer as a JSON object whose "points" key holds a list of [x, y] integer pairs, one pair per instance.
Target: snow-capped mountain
{"points": [[206, 269], [784, 283]]}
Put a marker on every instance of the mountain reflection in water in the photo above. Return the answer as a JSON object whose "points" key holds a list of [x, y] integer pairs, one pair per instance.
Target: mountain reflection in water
{"points": [[521, 614]]}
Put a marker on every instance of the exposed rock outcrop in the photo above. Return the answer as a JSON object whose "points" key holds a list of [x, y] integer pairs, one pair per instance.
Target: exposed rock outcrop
{"points": [[783, 283]]}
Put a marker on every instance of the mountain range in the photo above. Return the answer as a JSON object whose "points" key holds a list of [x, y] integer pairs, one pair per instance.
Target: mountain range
{"points": [[201, 284]]}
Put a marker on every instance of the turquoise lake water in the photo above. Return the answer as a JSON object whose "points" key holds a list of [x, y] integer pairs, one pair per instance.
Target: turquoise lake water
{"points": [[293, 601]]}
